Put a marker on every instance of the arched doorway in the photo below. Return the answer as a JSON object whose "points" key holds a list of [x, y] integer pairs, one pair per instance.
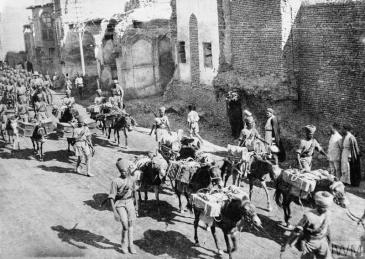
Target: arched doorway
{"points": [[194, 51]]}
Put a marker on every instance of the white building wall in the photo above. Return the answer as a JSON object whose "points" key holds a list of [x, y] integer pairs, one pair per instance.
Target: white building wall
{"points": [[206, 12]]}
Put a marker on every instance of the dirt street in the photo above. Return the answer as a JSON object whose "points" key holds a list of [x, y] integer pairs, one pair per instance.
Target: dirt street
{"points": [[49, 211]]}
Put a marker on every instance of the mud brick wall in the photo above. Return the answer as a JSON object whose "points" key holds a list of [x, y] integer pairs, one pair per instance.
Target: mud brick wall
{"points": [[331, 51]]}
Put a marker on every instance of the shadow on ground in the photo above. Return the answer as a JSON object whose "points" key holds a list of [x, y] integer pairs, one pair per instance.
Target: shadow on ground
{"points": [[58, 169], [171, 243], [59, 155], [80, 237], [271, 230], [162, 212], [99, 202], [23, 154], [103, 142]]}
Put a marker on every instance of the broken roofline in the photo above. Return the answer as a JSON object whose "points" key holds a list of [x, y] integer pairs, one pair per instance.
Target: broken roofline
{"points": [[39, 6], [118, 17]]}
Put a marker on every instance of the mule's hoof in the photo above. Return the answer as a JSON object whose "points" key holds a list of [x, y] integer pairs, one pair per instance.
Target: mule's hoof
{"points": [[220, 252]]}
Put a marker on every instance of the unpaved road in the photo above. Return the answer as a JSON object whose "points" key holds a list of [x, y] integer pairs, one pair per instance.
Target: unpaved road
{"points": [[48, 211]]}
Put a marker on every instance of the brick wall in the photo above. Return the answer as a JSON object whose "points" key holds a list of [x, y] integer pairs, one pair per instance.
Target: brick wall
{"points": [[331, 56], [256, 35]]}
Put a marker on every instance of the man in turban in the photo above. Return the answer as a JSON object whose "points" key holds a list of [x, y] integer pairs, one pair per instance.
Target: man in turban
{"points": [[161, 126], [311, 236], [83, 145], [248, 135], [122, 197], [307, 147]]}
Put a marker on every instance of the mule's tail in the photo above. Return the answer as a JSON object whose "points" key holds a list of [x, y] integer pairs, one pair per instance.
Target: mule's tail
{"points": [[278, 195]]}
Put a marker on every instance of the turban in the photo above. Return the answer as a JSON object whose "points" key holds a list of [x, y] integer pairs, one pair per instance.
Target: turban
{"points": [[123, 165], [310, 128], [323, 199], [246, 112], [270, 110], [162, 109]]}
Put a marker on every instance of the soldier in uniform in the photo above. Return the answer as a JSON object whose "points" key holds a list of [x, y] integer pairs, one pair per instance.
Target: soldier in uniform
{"points": [[40, 108], [119, 93], [37, 81], [99, 98], [312, 234], [122, 198], [161, 126], [248, 135], [307, 147], [68, 101], [22, 110], [83, 145], [21, 91], [114, 99]]}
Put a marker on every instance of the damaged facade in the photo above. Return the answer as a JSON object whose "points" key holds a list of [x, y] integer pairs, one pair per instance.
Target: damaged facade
{"points": [[41, 38], [136, 49]]}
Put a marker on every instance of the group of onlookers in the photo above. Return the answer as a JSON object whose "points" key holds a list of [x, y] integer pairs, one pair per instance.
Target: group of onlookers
{"points": [[343, 151]]}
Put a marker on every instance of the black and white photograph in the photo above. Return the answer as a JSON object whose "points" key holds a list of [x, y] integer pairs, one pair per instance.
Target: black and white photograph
{"points": [[182, 129]]}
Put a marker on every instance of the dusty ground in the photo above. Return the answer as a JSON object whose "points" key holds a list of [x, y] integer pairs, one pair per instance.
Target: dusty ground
{"points": [[48, 211]]}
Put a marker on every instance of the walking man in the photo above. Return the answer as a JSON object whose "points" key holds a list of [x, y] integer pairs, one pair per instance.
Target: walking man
{"points": [[307, 147], [122, 198], [119, 93], [334, 151], [79, 83], [161, 126], [83, 145], [193, 119], [312, 234]]}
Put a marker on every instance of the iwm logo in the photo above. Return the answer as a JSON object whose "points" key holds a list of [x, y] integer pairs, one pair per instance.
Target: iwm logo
{"points": [[351, 250]]}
